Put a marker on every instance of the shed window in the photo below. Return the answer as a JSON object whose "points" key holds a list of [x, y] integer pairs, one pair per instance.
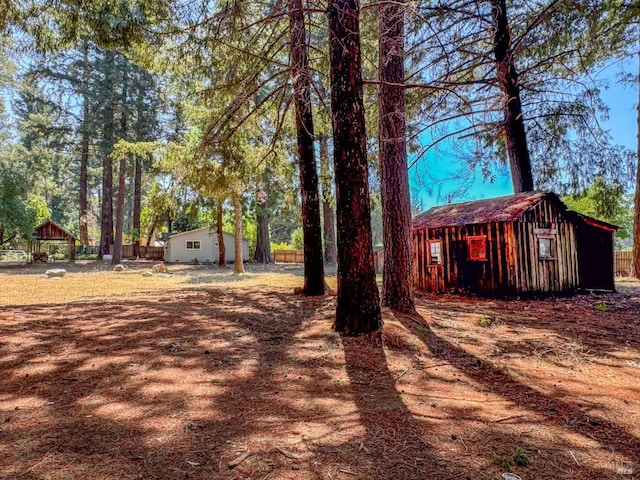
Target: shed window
{"points": [[545, 247], [435, 252], [193, 245], [477, 247]]}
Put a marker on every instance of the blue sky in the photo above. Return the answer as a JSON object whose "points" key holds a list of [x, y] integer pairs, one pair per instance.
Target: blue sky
{"points": [[622, 100], [621, 124]]}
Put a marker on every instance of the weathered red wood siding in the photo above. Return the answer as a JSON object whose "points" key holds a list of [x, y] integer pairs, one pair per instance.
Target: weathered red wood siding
{"points": [[496, 274], [513, 264]]}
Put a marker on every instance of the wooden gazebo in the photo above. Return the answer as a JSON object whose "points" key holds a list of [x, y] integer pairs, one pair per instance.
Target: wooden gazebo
{"points": [[50, 231]]}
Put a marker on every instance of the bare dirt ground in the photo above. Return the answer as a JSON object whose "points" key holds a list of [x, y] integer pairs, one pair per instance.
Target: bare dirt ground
{"points": [[220, 379]]}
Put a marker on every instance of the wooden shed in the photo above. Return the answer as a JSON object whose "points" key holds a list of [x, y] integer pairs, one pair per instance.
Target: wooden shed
{"points": [[528, 243], [50, 231]]}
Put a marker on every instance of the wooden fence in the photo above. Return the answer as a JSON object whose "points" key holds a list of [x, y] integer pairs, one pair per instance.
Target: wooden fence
{"points": [[297, 256], [624, 263], [288, 256], [378, 259], [148, 253]]}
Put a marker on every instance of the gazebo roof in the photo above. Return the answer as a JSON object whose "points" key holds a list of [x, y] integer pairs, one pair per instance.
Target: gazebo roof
{"points": [[52, 231]]}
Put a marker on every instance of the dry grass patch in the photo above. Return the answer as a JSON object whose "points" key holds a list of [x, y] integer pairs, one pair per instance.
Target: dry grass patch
{"points": [[94, 280]]}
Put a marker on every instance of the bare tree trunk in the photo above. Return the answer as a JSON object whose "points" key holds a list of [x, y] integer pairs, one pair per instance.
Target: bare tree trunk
{"points": [[636, 215], [117, 241], [137, 206], [83, 221], [507, 77], [397, 278], [358, 309], [151, 231], [312, 231], [263, 246], [237, 207], [330, 254], [106, 211], [222, 251], [122, 176]]}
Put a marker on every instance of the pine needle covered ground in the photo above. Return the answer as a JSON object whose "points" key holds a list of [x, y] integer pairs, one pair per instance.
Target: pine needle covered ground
{"points": [[209, 375]]}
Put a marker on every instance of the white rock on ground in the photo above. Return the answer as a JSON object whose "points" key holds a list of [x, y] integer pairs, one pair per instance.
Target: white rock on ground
{"points": [[119, 268], [55, 273]]}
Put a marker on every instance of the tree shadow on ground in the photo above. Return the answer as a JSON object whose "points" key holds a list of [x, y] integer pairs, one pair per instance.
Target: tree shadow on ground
{"points": [[179, 386], [394, 444], [171, 388], [577, 319], [549, 409]]}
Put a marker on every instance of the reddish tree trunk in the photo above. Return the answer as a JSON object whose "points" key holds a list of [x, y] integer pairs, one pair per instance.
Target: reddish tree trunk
{"points": [[137, 206], [106, 211], [312, 231], [117, 241], [358, 309], [238, 266], [222, 251], [330, 254], [507, 78], [397, 277], [122, 176], [636, 216], [83, 221]]}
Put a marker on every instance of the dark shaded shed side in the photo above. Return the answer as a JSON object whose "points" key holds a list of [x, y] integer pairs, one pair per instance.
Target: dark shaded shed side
{"points": [[596, 262]]}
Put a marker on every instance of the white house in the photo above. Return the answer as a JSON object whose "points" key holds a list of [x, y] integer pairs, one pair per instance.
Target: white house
{"points": [[203, 245]]}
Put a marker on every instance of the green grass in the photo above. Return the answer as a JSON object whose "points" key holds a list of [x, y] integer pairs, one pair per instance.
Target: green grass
{"points": [[517, 459]]}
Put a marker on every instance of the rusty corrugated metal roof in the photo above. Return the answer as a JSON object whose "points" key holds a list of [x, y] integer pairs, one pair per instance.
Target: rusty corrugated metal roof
{"points": [[499, 209]]}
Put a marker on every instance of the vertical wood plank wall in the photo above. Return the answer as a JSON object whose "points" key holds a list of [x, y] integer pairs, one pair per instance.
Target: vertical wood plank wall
{"points": [[457, 272], [559, 274]]}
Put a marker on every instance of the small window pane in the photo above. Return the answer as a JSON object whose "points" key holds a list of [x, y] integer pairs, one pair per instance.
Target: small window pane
{"points": [[477, 248], [435, 253], [545, 247], [189, 244], [196, 245]]}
